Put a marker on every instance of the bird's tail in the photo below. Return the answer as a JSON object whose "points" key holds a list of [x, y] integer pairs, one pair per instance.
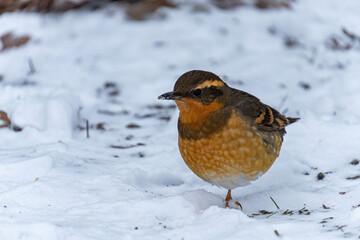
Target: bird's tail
{"points": [[292, 120]]}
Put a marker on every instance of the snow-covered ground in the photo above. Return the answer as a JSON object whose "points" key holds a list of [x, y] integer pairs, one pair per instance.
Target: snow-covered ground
{"points": [[127, 180]]}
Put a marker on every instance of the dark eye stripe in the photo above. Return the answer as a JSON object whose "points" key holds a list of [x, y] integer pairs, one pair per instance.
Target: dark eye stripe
{"points": [[215, 91]]}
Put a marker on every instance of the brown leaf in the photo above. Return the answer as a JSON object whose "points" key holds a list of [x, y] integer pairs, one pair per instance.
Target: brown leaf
{"points": [[41, 5], [63, 6], [265, 212], [9, 40], [133, 125], [354, 162], [100, 126], [228, 4], [5, 121], [13, 5], [266, 4], [140, 10], [44, 6], [353, 178], [325, 207]]}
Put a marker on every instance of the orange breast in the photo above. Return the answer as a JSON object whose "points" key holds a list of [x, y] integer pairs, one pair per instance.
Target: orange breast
{"points": [[194, 113], [232, 157]]}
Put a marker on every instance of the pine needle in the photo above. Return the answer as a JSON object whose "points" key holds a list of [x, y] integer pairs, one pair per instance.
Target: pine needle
{"points": [[274, 202]]}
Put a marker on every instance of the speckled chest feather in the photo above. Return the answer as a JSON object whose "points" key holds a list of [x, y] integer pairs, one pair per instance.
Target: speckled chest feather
{"points": [[227, 150]]}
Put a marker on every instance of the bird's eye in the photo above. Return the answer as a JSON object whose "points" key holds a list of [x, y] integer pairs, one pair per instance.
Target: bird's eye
{"points": [[197, 92]]}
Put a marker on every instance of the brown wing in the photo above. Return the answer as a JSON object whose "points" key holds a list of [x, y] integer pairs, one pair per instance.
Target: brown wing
{"points": [[271, 120], [264, 116]]}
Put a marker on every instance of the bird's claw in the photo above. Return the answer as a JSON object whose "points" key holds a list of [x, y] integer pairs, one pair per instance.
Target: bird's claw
{"points": [[233, 204]]}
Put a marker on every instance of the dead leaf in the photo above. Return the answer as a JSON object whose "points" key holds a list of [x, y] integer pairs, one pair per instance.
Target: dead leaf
{"points": [[228, 4], [266, 4], [41, 5], [133, 125], [325, 207], [4, 120], [100, 126], [9, 40], [353, 178], [140, 10], [354, 162]]}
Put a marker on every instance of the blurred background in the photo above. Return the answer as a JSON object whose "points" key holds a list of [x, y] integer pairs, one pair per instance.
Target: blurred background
{"points": [[89, 152]]}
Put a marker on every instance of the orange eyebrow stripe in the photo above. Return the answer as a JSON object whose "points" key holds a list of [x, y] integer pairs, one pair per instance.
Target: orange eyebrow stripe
{"points": [[210, 83]]}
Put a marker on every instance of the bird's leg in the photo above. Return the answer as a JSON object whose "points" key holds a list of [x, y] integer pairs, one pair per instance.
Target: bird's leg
{"points": [[228, 198]]}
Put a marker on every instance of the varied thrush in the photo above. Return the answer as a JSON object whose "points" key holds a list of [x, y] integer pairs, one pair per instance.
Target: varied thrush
{"points": [[227, 137]]}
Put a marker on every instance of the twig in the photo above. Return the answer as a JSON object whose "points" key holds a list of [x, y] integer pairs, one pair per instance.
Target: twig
{"points": [[87, 129], [31, 66], [350, 35], [274, 202]]}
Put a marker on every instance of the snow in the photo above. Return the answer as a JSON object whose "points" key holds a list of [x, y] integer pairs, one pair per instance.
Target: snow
{"points": [[130, 182]]}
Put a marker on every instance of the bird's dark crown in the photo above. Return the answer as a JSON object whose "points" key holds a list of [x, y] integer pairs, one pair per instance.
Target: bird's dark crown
{"points": [[192, 79], [199, 85]]}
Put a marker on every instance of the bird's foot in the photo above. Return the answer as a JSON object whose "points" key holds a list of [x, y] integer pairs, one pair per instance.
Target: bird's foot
{"points": [[233, 204], [230, 203]]}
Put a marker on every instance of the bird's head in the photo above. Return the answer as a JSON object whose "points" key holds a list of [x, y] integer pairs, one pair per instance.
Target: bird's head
{"points": [[197, 94]]}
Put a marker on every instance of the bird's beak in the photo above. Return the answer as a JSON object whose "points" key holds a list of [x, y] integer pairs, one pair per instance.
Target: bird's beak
{"points": [[170, 96]]}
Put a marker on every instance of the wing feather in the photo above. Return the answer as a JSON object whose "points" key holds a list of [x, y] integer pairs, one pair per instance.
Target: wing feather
{"points": [[264, 116]]}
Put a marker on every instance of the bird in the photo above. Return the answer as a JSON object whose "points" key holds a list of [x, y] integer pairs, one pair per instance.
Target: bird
{"points": [[226, 136]]}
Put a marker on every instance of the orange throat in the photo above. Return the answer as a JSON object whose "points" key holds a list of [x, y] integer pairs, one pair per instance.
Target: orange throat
{"points": [[194, 113]]}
